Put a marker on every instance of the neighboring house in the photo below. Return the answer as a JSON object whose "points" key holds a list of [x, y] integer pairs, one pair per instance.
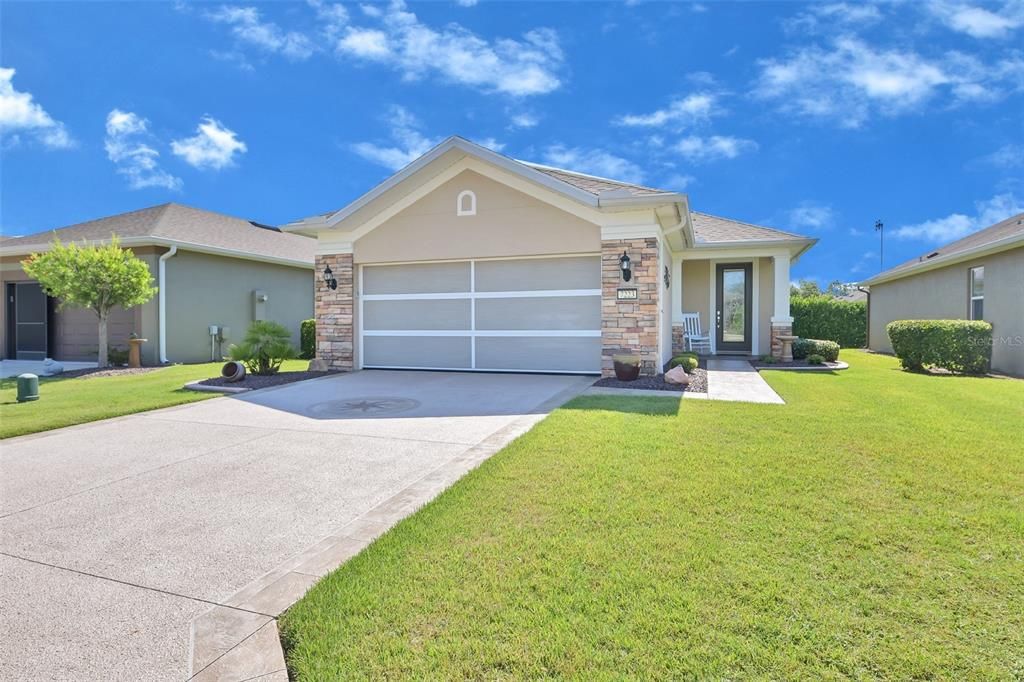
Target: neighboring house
{"points": [[979, 277], [469, 260], [211, 269]]}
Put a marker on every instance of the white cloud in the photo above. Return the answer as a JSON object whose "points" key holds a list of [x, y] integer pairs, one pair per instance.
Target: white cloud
{"points": [[956, 225], [1007, 156], [979, 22], [593, 162], [524, 120], [213, 146], [681, 112], [466, 3], [409, 142], [713, 148], [528, 66], [19, 114], [248, 27], [826, 17], [371, 10], [136, 160], [851, 80], [491, 143], [678, 182], [811, 215], [864, 264]]}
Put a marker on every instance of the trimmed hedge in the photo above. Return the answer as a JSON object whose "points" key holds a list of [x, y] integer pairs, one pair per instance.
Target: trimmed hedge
{"points": [[687, 360], [956, 345], [804, 348], [307, 339], [824, 317]]}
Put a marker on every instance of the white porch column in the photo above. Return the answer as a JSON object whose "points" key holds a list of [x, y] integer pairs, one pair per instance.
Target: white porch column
{"points": [[780, 314], [677, 288]]}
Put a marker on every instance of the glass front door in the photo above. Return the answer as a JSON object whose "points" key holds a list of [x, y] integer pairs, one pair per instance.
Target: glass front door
{"points": [[733, 310]]}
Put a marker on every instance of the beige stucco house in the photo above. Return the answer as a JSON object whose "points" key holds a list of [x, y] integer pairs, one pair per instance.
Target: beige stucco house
{"points": [[469, 260], [979, 277], [211, 270]]}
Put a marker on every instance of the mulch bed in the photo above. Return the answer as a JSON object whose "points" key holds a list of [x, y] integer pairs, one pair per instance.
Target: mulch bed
{"points": [[787, 365], [698, 382], [252, 381], [97, 372]]}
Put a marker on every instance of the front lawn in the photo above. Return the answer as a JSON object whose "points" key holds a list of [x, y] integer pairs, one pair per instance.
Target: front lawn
{"points": [[67, 401], [873, 527]]}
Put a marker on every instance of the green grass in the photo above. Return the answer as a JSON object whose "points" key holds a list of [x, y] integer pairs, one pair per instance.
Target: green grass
{"points": [[871, 528], [64, 402]]}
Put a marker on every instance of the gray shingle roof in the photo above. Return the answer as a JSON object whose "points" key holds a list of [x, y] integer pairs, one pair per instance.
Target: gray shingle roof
{"points": [[178, 223], [593, 184], [710, 229], [1012, 226]]}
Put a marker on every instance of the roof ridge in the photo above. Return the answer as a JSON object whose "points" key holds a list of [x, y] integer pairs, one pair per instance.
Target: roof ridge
{"points": [[744, 222], [539, 166]]}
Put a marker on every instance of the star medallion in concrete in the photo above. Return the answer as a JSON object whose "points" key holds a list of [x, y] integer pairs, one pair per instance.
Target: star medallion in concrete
{"points": [[354, 408]]}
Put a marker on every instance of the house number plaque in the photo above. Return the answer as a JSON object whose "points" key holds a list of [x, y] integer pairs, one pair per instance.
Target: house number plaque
{"points": [[625, 295]]}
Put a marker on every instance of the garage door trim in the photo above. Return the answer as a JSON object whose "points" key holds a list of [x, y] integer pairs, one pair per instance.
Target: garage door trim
{"points": [[472, 295]]}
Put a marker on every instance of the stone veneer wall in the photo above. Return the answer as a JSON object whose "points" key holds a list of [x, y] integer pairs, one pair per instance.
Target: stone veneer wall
{"points": [[779, 330], [334, 312], [630, 326], [678, 339]]}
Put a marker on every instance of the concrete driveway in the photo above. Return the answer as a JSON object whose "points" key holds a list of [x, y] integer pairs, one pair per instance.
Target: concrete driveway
{"points": [[119, 539]]}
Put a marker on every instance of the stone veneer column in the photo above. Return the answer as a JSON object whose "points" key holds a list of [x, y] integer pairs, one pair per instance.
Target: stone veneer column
{"points": [[335, 341], [779, 329], [678, 339], [630, 326]]}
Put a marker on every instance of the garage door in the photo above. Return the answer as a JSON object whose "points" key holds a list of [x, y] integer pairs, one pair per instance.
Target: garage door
{"points": [[520, 315]]}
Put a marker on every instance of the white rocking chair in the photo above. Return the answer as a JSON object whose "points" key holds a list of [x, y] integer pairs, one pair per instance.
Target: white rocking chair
{"points": [[695, 339]]}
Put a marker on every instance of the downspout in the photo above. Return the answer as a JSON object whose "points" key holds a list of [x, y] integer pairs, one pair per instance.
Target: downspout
{"points": [[867, 315], [162, 301]]}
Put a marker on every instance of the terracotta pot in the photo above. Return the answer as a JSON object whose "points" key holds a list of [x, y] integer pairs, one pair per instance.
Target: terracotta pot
{"points": [[233, 371], [627, 367]]}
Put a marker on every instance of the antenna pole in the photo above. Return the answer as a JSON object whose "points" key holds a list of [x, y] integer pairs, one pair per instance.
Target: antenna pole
{"points": [[879, 228]]}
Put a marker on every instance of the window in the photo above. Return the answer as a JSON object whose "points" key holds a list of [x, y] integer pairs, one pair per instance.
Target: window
{"points": [[466, 203], [977, 293]]}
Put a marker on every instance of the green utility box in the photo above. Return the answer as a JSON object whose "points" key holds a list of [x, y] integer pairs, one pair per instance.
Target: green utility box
{"points": [[28, 388]]}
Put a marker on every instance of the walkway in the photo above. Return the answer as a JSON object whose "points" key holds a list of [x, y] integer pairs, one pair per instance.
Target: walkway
{"points": [[737, 380], [12, 368]]}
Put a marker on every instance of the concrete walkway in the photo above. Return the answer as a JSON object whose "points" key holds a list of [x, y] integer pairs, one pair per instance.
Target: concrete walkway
{"points": [[162, 545], [12, 368], [737, 380]]}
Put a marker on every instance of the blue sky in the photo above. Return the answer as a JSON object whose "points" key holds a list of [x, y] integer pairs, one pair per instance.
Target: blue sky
{"points": [[818, 118]]}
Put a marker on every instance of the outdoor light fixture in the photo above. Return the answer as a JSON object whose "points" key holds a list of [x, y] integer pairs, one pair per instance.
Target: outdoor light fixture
{"points": [[627, 274], [329, 279]]}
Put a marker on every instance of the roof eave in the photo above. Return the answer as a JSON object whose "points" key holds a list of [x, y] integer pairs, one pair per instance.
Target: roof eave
{"points": [[950, 259]]}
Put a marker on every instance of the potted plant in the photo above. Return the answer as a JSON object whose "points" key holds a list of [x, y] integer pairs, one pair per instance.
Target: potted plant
{"points": [[627, 366]]}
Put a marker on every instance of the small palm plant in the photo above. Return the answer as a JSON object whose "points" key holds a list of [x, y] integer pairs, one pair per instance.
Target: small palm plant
{"points": [[265, 346]]}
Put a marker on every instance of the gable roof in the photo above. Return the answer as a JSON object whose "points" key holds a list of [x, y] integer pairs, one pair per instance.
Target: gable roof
{"points": [[1006, 234], [712, 229], [184, 226], [588, 190]]}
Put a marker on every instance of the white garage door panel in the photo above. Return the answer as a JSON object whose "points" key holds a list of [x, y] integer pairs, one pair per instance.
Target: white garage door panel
{"points": [[420, 352], [525, 315]]}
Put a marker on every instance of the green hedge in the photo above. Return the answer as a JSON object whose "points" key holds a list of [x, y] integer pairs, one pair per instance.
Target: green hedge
{"points": [[824, 317], [957, 345], [805, 348], [307, 339]]}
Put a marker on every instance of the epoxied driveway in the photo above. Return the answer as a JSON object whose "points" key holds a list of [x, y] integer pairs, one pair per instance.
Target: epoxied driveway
{"points": [[118, 538]]}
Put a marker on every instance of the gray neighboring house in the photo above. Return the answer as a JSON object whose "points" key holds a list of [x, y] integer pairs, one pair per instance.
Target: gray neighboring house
{"points": [[979, 277], [211, 269]]}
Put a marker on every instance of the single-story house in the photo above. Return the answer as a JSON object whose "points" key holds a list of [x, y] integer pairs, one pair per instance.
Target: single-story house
{"points": [[216, 274], [470, 260], [979, 277]]}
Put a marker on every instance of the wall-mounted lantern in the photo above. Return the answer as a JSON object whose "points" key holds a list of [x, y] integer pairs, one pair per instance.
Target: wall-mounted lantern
{"points": [[329, 279], [627, 274]]}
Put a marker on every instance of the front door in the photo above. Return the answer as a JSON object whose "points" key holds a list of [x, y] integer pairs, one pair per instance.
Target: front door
{"points": [[26, 321], [733, 308]]}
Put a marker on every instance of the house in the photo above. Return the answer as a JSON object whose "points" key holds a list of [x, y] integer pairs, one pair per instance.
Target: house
{"points": [[211, 270], [469, 260], [979, 277]]}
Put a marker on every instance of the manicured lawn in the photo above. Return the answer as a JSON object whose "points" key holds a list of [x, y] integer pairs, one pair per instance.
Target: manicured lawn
{"points": [[63, 402], [872, 528]]}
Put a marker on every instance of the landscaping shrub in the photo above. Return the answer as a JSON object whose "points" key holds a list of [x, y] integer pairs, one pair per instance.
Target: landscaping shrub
{"points": [[265, 346], [815, 359], [687, 360], [768, 360], [802, 348], [957, 345], [824, 317], [307, 339], [117, 356]]}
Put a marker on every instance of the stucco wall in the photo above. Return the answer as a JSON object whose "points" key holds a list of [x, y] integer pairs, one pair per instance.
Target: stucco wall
{"points": [[766, 304], [696, 291], [944, 293], [203, 290], [665, 304], [507, 223]]}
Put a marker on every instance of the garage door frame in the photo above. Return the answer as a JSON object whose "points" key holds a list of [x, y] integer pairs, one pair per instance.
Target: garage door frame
{"points": [[472, 296]]}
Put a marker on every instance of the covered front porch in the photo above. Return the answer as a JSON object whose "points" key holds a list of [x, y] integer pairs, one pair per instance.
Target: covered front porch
{"points": [[740, 297]]}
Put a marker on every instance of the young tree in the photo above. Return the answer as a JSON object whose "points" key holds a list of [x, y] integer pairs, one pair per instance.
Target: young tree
{"points": [[805, 287], [94, 277]]}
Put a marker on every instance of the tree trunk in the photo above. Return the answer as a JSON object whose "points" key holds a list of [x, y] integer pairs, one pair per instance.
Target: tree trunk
{"points": [[101, 361]]}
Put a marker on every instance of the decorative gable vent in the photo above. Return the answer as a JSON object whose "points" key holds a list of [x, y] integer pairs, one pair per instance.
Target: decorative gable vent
{"points": [[466, 203]]}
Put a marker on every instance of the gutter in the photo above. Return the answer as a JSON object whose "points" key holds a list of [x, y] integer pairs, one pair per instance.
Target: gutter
{"points": [[162, 301], [922, 266]]}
